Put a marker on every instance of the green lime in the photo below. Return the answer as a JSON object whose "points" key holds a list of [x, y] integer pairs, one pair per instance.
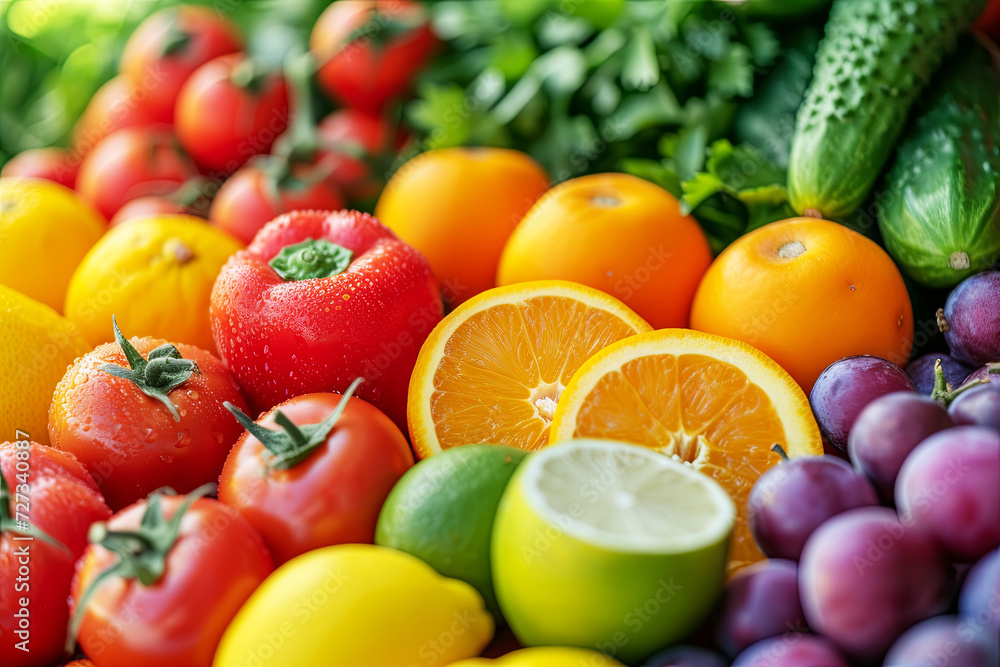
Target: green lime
{"points": [[606, 545], [442, 511]]}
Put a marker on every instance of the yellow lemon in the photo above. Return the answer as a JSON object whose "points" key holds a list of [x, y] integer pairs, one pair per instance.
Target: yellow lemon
{"points": [[356, 604], [155, 275], [36, 346], [45, 230], [547, 656]]}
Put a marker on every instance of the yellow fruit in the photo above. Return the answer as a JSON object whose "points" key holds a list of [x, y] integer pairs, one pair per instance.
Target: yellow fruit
{"points": [[36, 346], [545, 656], [714, 402], [45, 230], [155, 275], [493, 369], [356, 605]]}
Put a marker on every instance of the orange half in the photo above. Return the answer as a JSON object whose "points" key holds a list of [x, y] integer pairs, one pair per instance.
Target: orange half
{"points": [[494, 369], [716, 403]]}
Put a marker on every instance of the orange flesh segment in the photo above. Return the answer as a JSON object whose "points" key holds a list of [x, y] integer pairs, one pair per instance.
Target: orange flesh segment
{"points": [[503, 369], [700, 409]]}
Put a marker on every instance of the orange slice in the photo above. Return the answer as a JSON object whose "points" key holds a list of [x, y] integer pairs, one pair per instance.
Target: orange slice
{"points": [[493, 370], [716, 403]]}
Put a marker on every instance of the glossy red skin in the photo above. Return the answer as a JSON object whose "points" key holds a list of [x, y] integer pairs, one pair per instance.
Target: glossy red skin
{"points": [[115, 106], [246, 201], [146, 206], [130, 442], [364, 75], [223, 125], [62, 501], [213, 567], [144, 65], [132, 163], [989, 20], [367, 132], [332, 497], [282, 339], [53, 164]]}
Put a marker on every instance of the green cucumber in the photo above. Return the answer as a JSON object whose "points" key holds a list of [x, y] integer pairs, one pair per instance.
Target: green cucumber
{"points": [[939, 210], [875, 59]]}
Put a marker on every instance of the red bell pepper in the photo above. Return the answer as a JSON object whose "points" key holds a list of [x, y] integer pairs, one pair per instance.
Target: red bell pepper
{"points": [[320, 298]]}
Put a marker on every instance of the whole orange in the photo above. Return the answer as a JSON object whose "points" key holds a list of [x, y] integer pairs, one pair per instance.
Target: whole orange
{"points": [[807, 292], [616, 233], [457, 206]]}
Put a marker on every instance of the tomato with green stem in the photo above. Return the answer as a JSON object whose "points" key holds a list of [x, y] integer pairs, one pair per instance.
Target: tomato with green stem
{"points": [[320, 298], [57, 500], [230, 110], [131, 163], [320, 478], [173, 568], [294, 177], [370, 50], [168, 47], [352, 142], [143, 414], [188, 199]]}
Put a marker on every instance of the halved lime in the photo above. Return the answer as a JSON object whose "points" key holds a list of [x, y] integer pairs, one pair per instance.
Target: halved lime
{"points": [[609, 546]]}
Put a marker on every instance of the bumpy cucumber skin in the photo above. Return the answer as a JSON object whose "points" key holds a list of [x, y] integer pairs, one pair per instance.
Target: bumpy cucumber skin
{"points": [[939, 212], [876, 57]]}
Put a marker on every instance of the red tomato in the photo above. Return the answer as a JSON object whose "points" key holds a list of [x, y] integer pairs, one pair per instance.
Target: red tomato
{"points": [[334, 495], [251, 198], [395, 43], [58, 497], [223, 121], [365, 134], [210, 568], [989, 20], [132, 163], [113, 107], [317, 330], [146, 206], [52, 164], [169, 46], [131, 442]]}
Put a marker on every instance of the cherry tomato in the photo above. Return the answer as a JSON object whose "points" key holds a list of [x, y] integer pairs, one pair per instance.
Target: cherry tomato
{"points": [[362, 133], [146, 206], [251, 198], [52, 164], [198, 581], [137, 431], [132, 163], [227, 113], [113, 107], [331, 496], [377, 65], [57, 496], [169, 46]]}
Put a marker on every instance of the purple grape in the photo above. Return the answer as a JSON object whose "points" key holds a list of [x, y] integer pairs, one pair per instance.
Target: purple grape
{"points": [[948, 489], [971, 319], [887, 430], [979, 600], [792, 650], [761, 601], [921, 372], [942, 641], [686, 656], [864, 578], [978, 406], [983, 373], [843, 390], [792, 499]]}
